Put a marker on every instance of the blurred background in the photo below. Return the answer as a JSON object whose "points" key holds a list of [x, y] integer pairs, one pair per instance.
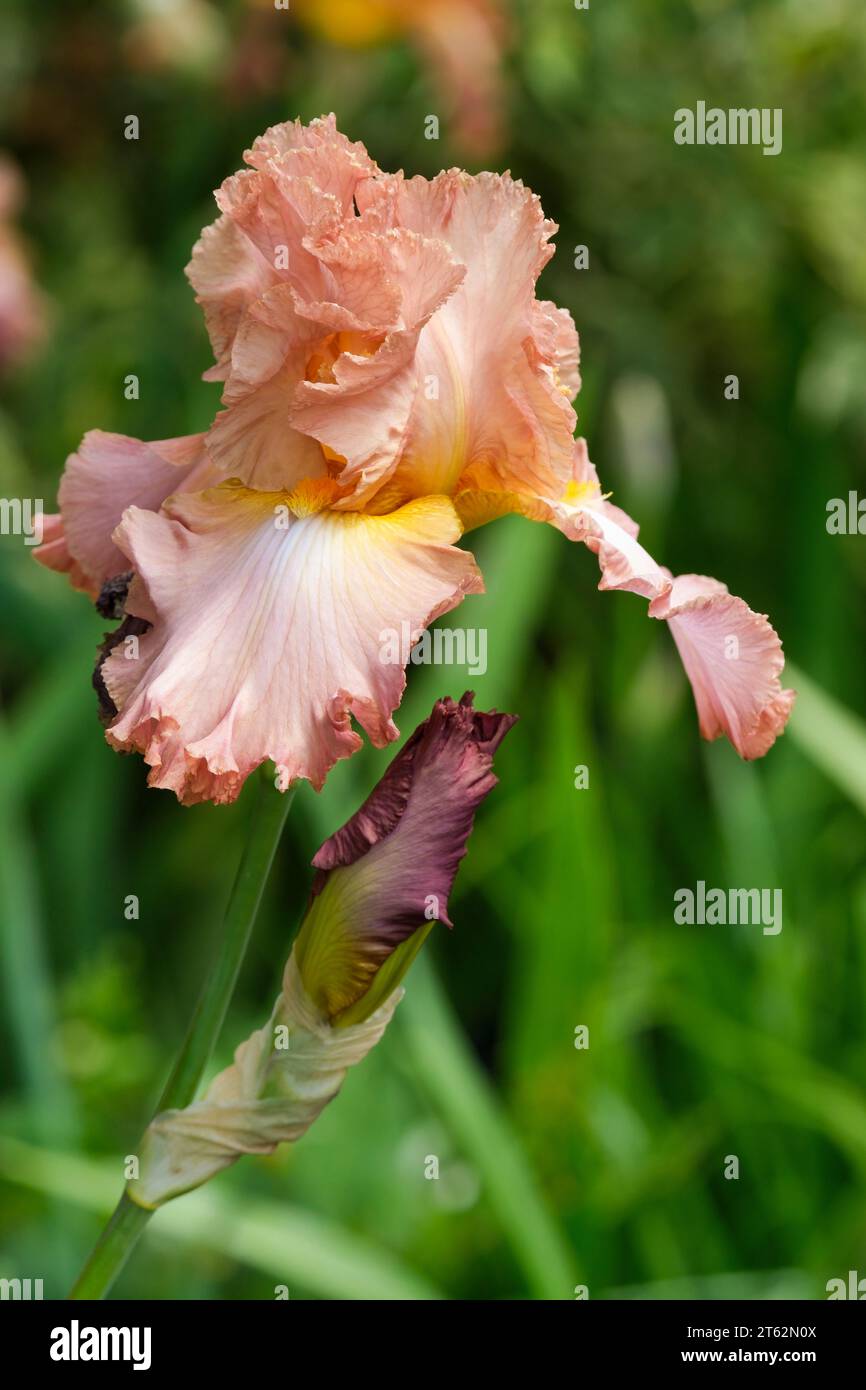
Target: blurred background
{"points": [[558, 1167]]}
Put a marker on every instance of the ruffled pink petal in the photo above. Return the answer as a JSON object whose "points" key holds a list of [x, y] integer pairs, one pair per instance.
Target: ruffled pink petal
{"points": [[253, 439], [109, 473], [53, 553], [732, 656], [498, 414], [391, 321], [361, 382], [557, 346], [318, 151], [228, 274], [733, 659], [362, 408], [278, 216], [317, 352], [270, 612], [390, 869]]}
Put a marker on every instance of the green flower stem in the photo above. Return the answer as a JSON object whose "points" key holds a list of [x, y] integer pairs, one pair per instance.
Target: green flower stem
{"points": [[116, 1243]]}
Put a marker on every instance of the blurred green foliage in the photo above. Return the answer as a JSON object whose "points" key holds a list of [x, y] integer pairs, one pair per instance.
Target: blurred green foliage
{"points": [[603, 1165]]}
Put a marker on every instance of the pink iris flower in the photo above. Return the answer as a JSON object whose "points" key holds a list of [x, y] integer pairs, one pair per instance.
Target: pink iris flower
{"points": [[390, 381]]}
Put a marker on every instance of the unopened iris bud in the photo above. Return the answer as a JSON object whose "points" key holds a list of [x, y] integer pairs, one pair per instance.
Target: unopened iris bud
{"points": [[384, 879]]}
